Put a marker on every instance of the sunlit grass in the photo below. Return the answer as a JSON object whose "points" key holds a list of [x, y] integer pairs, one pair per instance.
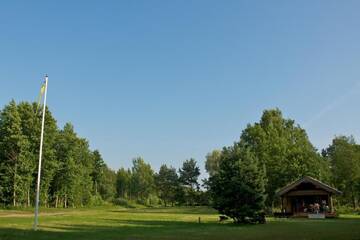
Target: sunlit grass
{"points": [[165, 223]]}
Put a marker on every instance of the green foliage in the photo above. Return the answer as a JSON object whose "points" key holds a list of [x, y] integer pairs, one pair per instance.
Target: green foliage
{"points": [[167, 184], [107, 184], [142, 180], [238, 189], [74, 176], [123, 203], [189, 174], [123, 178], [212, 163], [136, 184], [103, 178], [15, 163], [72, 185], [141, 185], [98, 170], [95, 201], [344, 157], [69, 168], [284, 149], [347, 209]]}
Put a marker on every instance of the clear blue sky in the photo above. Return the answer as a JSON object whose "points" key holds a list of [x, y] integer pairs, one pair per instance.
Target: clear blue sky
{"points": [[170, 80]]}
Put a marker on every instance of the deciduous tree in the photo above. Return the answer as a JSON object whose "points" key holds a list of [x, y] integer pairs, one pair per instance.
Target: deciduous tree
{"points": [[212, 163], [285, 150], [344, 157]]}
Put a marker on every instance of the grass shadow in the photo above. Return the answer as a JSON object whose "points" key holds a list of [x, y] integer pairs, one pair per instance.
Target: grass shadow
{"points": [[137, 229], [169, 210], [115, 229]]}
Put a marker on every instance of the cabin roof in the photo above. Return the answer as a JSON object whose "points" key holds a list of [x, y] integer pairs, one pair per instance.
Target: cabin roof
{"points": [[307, 179]]}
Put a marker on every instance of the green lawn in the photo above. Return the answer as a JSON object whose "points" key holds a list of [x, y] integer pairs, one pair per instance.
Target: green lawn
{"points": [[165, 223]]}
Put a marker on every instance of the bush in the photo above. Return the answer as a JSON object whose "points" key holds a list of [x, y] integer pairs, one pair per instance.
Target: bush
{"points": [[346, 209], [95, 201], [152, 200], [140, 202], [123, 202]]}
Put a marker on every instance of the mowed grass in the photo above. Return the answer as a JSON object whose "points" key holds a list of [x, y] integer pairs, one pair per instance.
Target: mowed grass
{"points": [[165, 223]]}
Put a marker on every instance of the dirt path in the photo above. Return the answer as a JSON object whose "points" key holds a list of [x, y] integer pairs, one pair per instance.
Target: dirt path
{"points": [[27, 214]]}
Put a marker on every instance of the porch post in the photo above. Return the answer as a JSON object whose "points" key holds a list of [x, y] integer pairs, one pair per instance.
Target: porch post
{"points": [[331, 203]]}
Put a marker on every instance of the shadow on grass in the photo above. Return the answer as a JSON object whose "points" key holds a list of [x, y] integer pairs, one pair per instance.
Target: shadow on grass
{"points": [[157, 229], [115, 229], [170, 210]]}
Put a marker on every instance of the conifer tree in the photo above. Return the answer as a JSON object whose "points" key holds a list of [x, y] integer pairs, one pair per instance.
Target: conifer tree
{"points": [[238, 189], [167, 183]]}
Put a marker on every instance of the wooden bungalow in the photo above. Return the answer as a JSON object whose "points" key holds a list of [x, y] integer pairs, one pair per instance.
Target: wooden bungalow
{"points": [[308, 197]]}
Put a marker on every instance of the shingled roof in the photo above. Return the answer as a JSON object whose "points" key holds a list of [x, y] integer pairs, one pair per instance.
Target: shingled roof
{"points": [[307, 179]]}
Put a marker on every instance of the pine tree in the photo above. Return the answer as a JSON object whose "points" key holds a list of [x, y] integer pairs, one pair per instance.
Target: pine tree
{"points": [[98, 170], [167, 183], [238, 189], [189, 174]]}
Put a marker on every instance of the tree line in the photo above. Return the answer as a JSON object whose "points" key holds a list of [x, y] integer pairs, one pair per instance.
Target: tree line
{"points": [[72, 174], [269, 154], [168, 186]]}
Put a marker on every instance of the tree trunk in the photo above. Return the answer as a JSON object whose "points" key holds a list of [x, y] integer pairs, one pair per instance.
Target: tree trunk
{"points": [[353, 198], [65, 201], [14, 186], [56, 201], [354, 201], [28, 197]]}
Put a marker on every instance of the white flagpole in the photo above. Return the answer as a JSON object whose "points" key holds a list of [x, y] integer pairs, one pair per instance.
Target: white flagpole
{"points": [[40, 158]]}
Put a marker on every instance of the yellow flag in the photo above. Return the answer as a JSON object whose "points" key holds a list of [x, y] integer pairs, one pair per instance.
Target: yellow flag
{"points": [[42, 91]]}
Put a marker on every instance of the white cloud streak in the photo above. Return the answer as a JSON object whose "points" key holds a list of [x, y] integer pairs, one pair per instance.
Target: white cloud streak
{"points": [[334, 104]]}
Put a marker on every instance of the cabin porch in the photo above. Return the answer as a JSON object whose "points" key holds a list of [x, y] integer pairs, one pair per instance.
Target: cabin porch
{"points": [[308, 197]]}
